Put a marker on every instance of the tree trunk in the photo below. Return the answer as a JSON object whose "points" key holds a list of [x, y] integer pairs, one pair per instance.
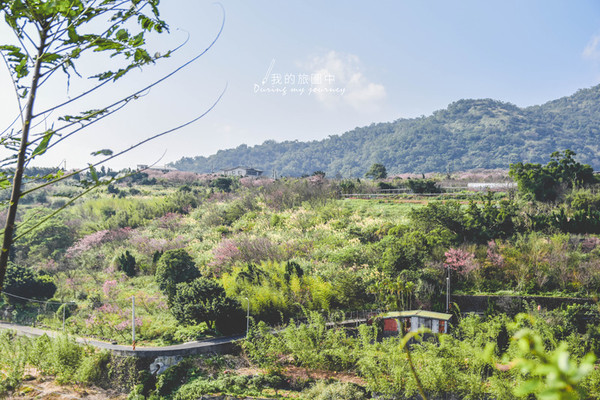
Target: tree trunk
{"points": [[18, 178]]}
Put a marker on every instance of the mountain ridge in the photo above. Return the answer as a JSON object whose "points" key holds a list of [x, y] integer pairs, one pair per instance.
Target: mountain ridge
{"points": [[467, 134]]}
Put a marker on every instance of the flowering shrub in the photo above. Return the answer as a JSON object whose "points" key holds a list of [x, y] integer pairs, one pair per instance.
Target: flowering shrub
{"points": [[170, 221], [109, 320], [244, 249], [96, 239], [109, 289], [493, 256], [459, 260], [250, 182], [86, 243], [174, 176], [148, 245]]}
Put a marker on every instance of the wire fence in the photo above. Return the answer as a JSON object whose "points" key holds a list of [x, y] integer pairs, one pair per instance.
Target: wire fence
{"points": [[337, 318], [33, 312]]}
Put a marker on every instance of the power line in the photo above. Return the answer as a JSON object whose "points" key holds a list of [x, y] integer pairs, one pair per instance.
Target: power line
{"points": [[34, 300]]}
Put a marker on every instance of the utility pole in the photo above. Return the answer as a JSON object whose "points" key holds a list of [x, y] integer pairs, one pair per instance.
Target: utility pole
{"points": [[247, 317], [133, 322], [448, 291]]}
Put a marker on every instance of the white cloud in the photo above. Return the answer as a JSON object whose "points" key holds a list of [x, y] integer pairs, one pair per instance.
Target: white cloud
{"points": [[338, 79], [592, 49]]}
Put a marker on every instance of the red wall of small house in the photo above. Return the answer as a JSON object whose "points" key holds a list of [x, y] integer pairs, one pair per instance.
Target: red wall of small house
{"points": [[390, 325]]}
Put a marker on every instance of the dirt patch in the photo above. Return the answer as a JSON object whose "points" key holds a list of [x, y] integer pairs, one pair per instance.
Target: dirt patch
{"points": [[298, 373], [301, 373], [50, 390]]}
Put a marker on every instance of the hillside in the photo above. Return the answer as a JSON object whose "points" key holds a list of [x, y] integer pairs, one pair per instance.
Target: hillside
{"points": [[467, 134], [197, 256]]}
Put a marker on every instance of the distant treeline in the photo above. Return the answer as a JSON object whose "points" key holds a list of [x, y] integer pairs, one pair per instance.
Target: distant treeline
{"points": [[468, 134]]}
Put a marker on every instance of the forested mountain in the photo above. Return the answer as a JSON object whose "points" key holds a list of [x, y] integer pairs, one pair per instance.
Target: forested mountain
{"points": [[467, 134]]}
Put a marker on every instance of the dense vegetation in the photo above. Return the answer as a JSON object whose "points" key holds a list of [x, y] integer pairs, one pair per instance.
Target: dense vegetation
{"points": [[195, 251], [468, 134]]}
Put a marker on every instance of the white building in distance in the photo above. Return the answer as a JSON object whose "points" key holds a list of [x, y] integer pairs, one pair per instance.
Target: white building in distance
{"points": [[240, 171]]}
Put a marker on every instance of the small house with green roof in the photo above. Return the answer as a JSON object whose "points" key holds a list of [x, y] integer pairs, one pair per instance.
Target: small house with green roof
{"points": [[394, 322]]}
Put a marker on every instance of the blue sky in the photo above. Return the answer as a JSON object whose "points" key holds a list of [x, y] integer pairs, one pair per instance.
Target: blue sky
{"points": [[364, 61]]}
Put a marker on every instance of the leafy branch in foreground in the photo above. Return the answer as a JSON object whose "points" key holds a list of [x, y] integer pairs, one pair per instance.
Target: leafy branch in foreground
{"points": [[53, 36], [553, 375]]}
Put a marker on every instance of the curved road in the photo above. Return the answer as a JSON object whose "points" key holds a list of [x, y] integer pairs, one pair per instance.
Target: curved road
{"points": [[217, 345], [220, 345]]}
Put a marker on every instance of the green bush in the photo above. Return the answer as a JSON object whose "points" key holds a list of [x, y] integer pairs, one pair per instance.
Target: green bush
{"points": [[235, 385], [26, 282], [66, 356], [175, 266], [204, 300], [48, 240], [13, 360], [224, 184], [92, 367], [175, 376], [424, 186], [126, 263], [549, 182]]}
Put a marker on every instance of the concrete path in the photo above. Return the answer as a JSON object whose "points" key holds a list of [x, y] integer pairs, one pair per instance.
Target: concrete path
{"points": [[218, 345]]}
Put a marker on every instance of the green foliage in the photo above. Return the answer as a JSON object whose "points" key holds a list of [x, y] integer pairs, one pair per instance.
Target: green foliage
{"points": [[459, 137], [311, 344], [393, 294], [126, 263], [452, 224], [235, 385], [277, 290], [113, 213], [223, 184], [347, 186], [175, 266], [462, 364], [314, 346], [424, 186], [335, 391], [48, 240], [554, 375], [408, 251], [60, 357], [546, 183], [204, 300], [377, 171], [13, 360], [66, 359], [175, 376], [580, 213], [445, 218], [66, 356], [492, 221], [26, 282]]}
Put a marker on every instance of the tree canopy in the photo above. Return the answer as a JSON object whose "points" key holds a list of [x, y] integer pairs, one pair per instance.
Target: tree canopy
{"points": [[175, 266], [546, 183], [202, 300], [377, 171]]}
